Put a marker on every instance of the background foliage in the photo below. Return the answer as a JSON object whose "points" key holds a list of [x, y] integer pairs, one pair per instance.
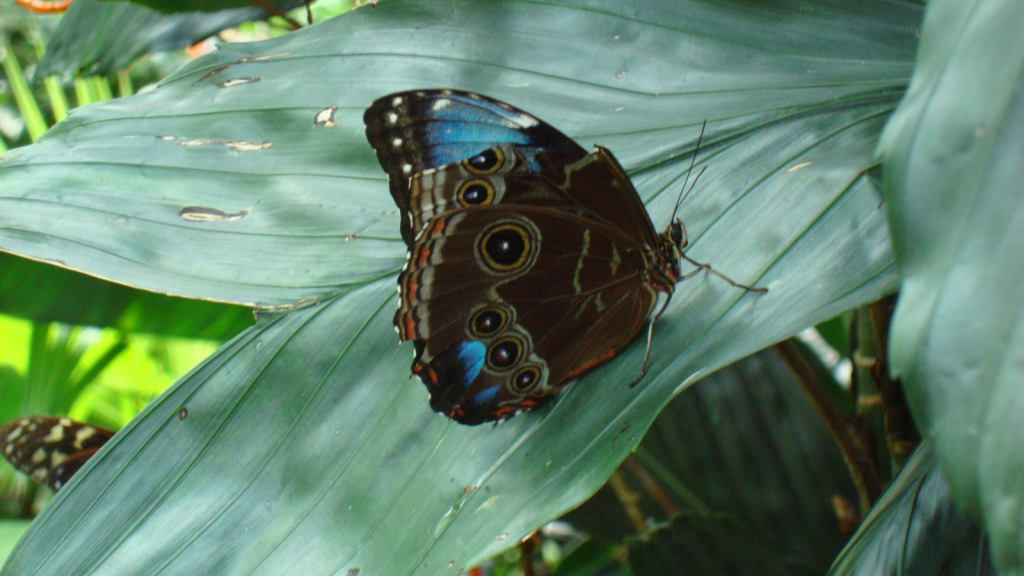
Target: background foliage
{"points": [[333, 465]]}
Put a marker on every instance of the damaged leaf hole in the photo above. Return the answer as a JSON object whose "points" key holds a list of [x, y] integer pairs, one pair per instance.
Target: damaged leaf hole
{"points": [[238, 82], [203, 214], [325, 118]]}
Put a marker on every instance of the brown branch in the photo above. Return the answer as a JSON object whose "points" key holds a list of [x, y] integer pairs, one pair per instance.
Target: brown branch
{"points": [[273, 10], [629, 501], [639, 471], [900, 431], [858, 459], [526, 551]]}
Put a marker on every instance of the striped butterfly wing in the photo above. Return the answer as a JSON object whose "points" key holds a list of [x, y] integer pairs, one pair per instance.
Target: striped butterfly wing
{"points": [[50, 449], [445, 149]]}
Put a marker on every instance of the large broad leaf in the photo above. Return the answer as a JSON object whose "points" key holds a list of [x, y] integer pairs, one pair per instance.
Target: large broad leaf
{"points": [[915, 529], [46, 293], [303, 447], [103, 37], [751, 464], [953, 172]]}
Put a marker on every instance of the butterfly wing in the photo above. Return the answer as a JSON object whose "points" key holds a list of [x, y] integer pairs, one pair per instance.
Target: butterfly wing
{"points": [[507, 304], [50, 449], [446, 149]]}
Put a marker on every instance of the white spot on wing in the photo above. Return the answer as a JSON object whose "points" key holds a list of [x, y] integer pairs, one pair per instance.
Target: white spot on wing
{"points": [[396, 101], [56, 434], [397, 142], [527, 121], [392, 117], [406, 168], [441, 104], [83, 435], [39, 456]]}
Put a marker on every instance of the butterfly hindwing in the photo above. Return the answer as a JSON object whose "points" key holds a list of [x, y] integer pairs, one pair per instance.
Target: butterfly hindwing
{"points": [[50, 449], [487, 344]]}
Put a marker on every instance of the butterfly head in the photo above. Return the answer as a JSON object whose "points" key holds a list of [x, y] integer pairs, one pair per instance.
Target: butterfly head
{"points": [[671, 243]]}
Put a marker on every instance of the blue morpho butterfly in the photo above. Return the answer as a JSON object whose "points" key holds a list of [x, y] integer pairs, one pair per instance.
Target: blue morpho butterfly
{"points": [[530, 260]]}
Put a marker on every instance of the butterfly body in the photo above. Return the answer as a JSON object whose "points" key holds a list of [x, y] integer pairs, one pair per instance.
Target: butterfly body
{"points": [[531, 261]]}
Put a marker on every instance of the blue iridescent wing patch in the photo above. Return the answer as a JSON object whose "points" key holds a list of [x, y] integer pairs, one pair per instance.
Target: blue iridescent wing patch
{"points": [[422, 130]]}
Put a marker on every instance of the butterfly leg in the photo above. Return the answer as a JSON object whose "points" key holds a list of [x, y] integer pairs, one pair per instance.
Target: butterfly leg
{"points": [[650, 336], [707, 268]]}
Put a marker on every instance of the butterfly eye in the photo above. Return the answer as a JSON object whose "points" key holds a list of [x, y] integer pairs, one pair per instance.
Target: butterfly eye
{"points": [[488, 322], [525, 380], [476, 192], [504, 354], [486, 162], [506, 247]]}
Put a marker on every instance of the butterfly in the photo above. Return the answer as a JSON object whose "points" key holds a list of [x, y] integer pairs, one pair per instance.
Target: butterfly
{"points": [[50, 449], [531, 261]]}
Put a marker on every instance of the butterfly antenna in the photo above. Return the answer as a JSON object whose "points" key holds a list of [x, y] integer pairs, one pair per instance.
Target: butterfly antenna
{"points": [[650, 337], [682, 196]]}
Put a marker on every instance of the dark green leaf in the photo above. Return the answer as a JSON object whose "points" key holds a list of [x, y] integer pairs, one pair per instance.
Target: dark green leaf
{"points": [[45, 293], [170, 6], [588, 559], [306, 449], [916, 530], [748, 458], [98, 37], [953, 173], [699, 545]]}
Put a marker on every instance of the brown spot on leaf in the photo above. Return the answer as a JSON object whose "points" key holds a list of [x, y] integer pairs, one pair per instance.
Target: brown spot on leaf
{"points": [[214, 72], [353, 572], [203, 214]]}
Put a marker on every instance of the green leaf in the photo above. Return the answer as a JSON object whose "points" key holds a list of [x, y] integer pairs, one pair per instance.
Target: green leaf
{"points": [[916, 529], [752, 465], [303, 207], [98, 37], [706, 545], [47, 293], [952, 173], [589, 558], [10, 531], [305, 448]]}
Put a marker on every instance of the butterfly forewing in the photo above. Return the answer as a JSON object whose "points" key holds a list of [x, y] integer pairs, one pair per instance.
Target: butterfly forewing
{"points": [[50, 449], [421, 130]]}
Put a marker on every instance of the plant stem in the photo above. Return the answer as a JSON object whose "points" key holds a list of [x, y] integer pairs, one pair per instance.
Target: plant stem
{"points": [[273, 10], [651, 485], [900, 431], [858, 460], [629, 500], [27, 104]]}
